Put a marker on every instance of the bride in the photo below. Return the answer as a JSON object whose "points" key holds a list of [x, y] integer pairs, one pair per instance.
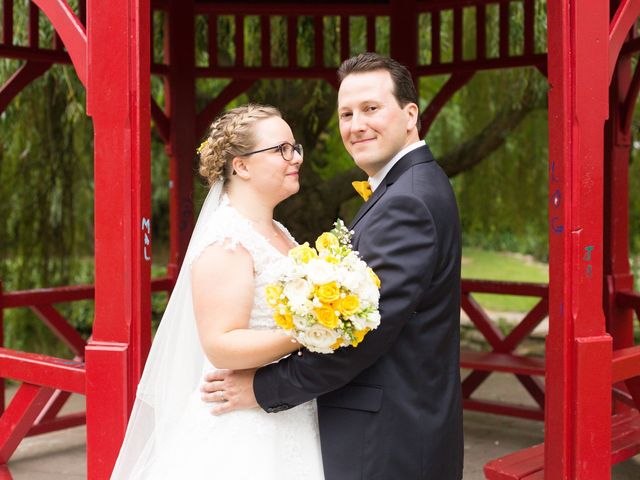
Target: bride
{"points": [[217, 315]]}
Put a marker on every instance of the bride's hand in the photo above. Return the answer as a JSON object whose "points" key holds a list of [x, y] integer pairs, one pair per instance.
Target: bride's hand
{"points": [[229, 390]]}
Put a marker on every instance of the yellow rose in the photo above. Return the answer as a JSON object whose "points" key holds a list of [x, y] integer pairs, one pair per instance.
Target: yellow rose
{"points": [[328, 292], [303, 253], [284, 320], [375, 277], [337, 344], [273, 293], [326, 241], [359, 334], [326, 316], [348, 305]]}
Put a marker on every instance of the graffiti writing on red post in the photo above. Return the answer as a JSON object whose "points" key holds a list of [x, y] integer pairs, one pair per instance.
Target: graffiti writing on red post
{"points": [[146, 247], [587, 259]]}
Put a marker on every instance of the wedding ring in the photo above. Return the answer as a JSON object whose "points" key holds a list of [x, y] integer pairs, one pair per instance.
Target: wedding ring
{"points": [[222, 396]]}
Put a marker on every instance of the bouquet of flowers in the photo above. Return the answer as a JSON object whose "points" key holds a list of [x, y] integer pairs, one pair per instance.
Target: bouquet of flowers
{"points": [[326, 297]]}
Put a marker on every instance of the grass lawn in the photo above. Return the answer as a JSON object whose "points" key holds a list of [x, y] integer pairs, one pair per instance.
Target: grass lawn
{"points": [[488, 265]]}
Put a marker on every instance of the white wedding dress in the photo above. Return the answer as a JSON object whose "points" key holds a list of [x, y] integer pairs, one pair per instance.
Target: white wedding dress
{"points": [[241, 445]]}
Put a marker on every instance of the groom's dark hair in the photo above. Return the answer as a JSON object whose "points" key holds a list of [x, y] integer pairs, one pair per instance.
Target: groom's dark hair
{"points": [[404, 89]]}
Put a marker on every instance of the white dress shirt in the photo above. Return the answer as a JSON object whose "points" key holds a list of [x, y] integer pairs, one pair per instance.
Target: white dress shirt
{"points": [[377, 179]]}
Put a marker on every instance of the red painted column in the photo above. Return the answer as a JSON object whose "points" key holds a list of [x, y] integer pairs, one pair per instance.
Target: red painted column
{"points": [[616, 208], [578, 368], [181, 109], [118, 98]]}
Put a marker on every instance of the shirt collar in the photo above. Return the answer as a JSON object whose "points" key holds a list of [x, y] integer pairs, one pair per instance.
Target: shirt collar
{"points": [[377, 179]]}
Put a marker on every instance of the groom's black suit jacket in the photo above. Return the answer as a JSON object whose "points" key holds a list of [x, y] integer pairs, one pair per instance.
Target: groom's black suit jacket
{"points": [[391, 408]]}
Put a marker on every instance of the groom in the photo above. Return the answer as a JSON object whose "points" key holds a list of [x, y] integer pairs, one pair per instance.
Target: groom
{"points": [[390, 408]]}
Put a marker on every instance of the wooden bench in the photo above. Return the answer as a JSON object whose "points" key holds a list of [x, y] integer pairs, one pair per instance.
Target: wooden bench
{"points": [[528, 464]]}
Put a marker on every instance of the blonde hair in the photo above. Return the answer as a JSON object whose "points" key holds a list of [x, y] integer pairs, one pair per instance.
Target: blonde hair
{"points": [[231, 135]]}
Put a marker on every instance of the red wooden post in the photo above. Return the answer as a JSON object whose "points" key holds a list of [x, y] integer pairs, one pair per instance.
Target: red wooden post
{"points": [[616, 209], [118, 100], [180, 84], [404, 33], [578, 380]]}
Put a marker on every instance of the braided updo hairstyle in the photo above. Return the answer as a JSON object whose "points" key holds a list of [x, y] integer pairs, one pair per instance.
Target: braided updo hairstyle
{"points": [[231, 135]]}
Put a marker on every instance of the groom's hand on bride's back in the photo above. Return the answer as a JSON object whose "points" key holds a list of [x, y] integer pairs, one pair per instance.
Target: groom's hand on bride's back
{"points": [[229, 390]]}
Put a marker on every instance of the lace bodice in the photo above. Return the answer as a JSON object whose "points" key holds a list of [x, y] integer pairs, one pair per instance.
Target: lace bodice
{"points": [[231, 228]]}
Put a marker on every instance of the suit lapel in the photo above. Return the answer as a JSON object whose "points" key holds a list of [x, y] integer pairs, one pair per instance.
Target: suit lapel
{"points": [[419, 155]]}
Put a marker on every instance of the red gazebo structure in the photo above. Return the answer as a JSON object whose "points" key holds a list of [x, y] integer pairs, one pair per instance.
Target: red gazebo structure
{"points": [[591, 394]]}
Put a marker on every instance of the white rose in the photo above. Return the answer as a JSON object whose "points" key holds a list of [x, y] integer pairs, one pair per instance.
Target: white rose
{"points": [[298, 291], [301, 307], [320, 272], [318, 338]]}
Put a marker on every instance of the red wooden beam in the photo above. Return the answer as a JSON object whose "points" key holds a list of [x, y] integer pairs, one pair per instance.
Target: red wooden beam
{"points": [[626, 363], [19, 417], [34, 13], [36, 54], [7, 22], [502, 362], [454, 83], [344, 37], [628, 106], [527, 325], [215, 106], [535, 387], [505, 288], [482, 322], [371, 33], [26, 74], [53, 406], [57, 373], [71, 30], [622, 21], [160, 121], [503, 408], [274, 8], [529, 31], [28, 298], [59, 423], [61, 329], [180, 101]]}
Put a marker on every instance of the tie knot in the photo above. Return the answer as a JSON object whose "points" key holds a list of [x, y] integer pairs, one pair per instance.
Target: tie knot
{"points": [[363, 189]]}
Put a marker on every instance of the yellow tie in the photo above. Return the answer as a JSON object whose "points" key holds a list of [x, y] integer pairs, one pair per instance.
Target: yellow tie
{"points": [[363, 188]]}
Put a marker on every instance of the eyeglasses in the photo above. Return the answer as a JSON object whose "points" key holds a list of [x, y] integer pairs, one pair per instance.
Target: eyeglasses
{"points": [[286, 149]]}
